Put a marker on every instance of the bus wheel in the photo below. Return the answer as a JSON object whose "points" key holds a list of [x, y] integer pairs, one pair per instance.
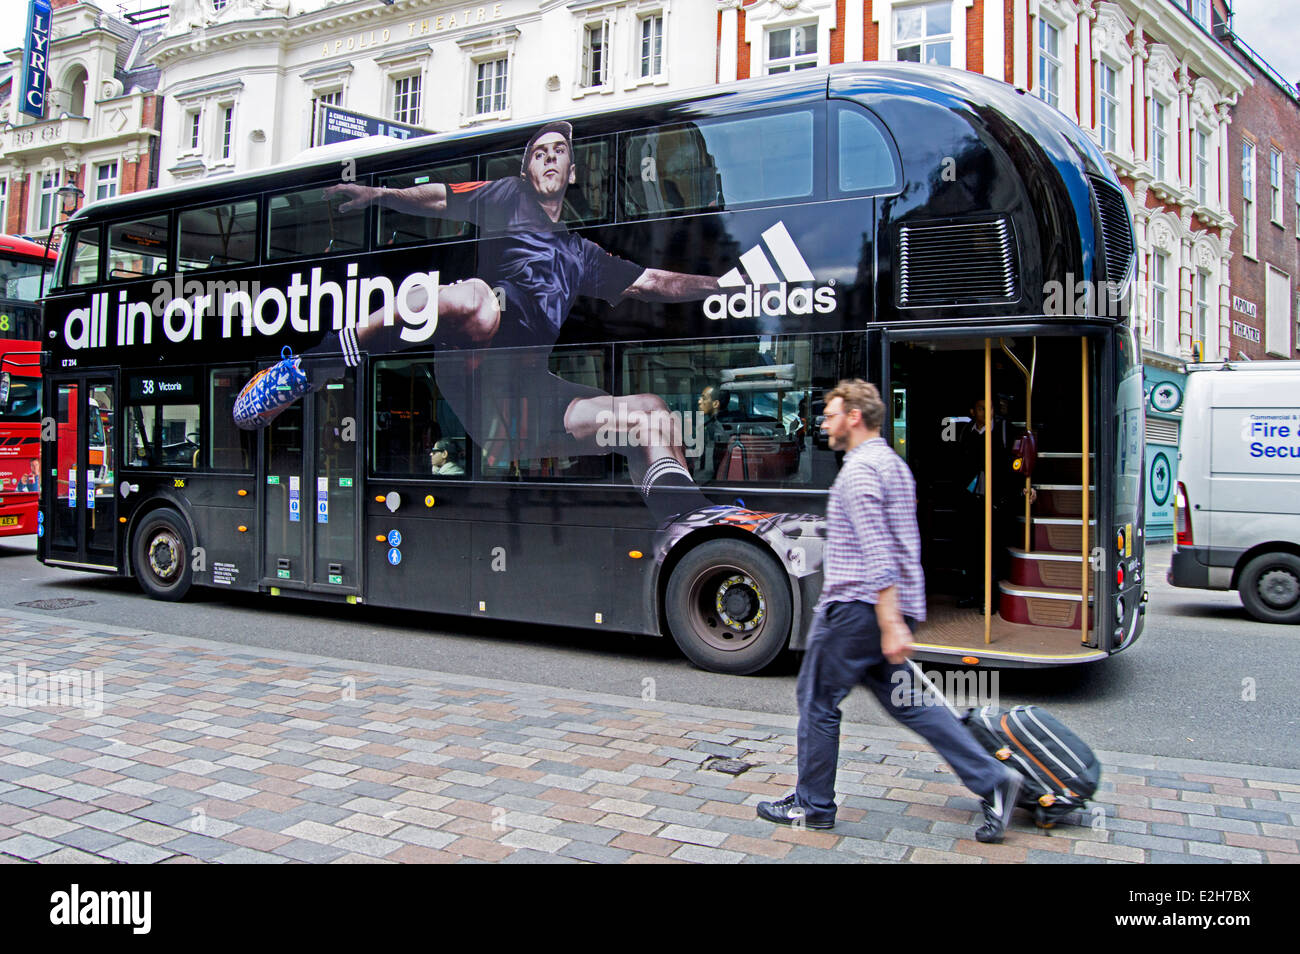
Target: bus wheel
{"points": [[729, 607], [1270, 588], [161, 555]]}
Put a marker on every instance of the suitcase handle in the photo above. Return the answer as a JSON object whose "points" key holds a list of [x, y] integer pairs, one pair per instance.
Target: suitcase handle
{"points": [[933, 688]]}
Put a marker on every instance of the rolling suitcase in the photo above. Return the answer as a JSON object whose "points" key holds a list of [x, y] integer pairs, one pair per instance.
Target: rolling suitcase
{"points": [[1060, 771]]}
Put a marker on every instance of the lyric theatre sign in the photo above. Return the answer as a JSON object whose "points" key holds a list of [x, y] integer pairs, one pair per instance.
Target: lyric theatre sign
{"points": [[469, 16]]}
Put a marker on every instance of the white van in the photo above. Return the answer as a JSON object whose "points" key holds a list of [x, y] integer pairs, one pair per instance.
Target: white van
{"points": [[1237, 512]]}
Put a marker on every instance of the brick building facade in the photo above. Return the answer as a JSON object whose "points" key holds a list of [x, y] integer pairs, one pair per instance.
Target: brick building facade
{"points": [[1264, 184], [101, 123]]}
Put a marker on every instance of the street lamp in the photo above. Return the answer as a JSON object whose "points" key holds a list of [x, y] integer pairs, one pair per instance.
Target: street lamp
{"points": [[69, 195]]}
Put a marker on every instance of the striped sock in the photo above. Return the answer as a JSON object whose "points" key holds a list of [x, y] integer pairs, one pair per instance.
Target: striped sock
{"points": [[668, 489]]}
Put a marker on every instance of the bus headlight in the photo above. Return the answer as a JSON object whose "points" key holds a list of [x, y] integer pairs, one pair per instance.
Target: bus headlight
{"points": [[1119, 609]]}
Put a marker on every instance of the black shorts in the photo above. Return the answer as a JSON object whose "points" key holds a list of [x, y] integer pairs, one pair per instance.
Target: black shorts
{"points": [[510, 404]]}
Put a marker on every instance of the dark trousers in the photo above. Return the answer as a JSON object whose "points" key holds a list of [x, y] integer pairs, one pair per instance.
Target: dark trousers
{"points": [[844, 650]]}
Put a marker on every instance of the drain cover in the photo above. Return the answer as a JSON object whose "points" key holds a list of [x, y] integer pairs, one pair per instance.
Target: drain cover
{"points": [[727, 766], [56, 604]]}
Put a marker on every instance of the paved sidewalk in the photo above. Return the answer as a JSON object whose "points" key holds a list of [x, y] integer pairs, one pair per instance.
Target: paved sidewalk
{"points": [[209, 752]]}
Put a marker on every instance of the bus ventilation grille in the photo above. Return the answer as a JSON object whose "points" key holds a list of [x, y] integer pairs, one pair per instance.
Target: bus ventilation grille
{"points": [[963, 263], [1116, 235]]}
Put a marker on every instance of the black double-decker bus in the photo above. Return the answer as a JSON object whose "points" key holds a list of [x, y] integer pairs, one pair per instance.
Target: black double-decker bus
{"points": [[572, 373]]}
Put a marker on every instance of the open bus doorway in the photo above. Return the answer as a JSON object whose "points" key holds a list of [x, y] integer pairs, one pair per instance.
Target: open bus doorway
{"points": [[990, 537]]}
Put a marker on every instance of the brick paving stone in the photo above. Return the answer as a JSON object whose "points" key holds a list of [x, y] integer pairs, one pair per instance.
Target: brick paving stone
{"points": [[28, 847], [138, 854], [72, 856]]}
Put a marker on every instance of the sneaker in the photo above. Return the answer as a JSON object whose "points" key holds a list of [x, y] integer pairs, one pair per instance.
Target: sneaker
{"points": [[998, 808], [270, 391], [787, 811]]}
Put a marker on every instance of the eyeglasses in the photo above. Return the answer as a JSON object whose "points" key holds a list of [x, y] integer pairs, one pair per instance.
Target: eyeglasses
{"points": [[833, 414]]}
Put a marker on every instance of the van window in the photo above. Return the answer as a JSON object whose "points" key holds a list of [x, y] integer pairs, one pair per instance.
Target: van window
{"points": [[864, 160], [83, 262], [402, 228], [590, 197]]}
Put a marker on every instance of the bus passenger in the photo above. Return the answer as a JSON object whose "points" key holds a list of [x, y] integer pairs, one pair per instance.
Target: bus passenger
{"points": [[445, 459], [539, 269]]}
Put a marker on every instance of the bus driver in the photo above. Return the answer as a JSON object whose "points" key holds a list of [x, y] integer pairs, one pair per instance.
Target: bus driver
{"points": [[540, 268]]}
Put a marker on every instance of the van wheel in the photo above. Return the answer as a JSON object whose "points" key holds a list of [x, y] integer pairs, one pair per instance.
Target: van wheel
{"points": [[1270, 588], [160, 554], [729, 607]]}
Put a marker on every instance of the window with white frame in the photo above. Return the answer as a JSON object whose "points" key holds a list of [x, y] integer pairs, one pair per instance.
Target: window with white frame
{"points": [[1203, 314], [227, 130], [652, 46], [595, 55], [406, 99], [1159, 298], [792, 48], [1202, 170], [1049, 62], [106, 181], [1159, 139], [1108, 106], [193, 124], [48, 199], [1297, 202], [4, 202], [332, 97], [1201, 12], [1248, 197], [490, 86], [1275, 183], [923, 33]]}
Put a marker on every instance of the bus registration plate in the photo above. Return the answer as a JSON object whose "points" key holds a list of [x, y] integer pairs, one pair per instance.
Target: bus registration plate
{"points": [[8, 521]]}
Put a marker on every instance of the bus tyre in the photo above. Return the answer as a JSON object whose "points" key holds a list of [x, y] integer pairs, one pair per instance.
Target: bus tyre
{"points": [[161, 555], [728, 607], [1270, 588]]}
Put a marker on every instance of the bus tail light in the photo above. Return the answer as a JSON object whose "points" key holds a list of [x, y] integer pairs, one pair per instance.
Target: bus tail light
{"points": [[1182, 517]]}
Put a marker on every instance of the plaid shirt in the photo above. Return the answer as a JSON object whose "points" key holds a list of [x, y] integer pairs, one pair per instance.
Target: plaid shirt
{"points": [[872, 541]]}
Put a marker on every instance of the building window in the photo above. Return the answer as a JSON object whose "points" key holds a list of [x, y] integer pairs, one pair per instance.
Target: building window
{"points": [[1202, 167], [490, 87], [1297, 202], [227, 126], [1049, 63], [332, 98], [652, 46], [406, 100], [105, 181], [1159, 298], [923, 34], [1275, 184], [49, 199], [194, 119], [4, 202], [595, 54], [1201, 12], [1203, 313], [1159, 139], [1248, 197], [792, 48], [1108, 118]]}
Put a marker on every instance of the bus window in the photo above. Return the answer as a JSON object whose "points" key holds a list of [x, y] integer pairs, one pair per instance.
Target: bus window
{"points": [[523, 406], [310, 223], [83, 263], [697, 166], [218, 235], [743, 404], [162, 415], [411, 418], [588, 200], [137, 249], [864, 160], [229, 448], [400, 228]]}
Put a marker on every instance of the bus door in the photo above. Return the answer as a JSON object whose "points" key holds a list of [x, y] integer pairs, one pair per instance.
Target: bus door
{"points": [[80, 523], [311, 491]]}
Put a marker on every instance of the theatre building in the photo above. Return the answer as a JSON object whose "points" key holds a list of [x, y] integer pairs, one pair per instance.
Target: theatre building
{"points": [[242, 80]]}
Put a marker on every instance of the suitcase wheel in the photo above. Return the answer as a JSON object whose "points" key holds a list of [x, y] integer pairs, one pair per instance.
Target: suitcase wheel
{"points": [[1003, 753], [1047, 799]]}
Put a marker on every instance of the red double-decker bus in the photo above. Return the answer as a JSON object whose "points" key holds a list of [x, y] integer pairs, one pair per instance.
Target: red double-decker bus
{"points": [[22, 266]]}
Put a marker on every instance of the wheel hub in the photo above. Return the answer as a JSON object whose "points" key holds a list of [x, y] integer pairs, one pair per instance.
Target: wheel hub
{"points": [[740, 603], [1280, 589], [163, 551]]}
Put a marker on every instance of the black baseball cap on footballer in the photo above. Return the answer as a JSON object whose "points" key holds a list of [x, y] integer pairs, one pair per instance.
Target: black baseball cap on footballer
{"points": [[565, 129]]}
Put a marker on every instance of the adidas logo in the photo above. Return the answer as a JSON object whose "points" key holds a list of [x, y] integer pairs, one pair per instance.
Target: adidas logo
{"points": [[765, 290]]}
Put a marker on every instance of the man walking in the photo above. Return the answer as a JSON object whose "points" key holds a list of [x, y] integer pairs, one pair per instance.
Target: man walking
{"points": [[873, 591]]}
